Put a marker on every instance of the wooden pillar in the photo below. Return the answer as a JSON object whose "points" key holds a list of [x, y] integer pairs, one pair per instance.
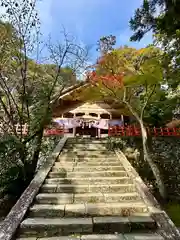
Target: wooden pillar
{"points": [[99, 132], [74, 128], [122, 119], [74, 131]]}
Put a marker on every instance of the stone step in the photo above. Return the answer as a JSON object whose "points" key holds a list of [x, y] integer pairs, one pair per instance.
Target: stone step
{"points": [[85, 149], [49, 227], [92, 140], [87, 209], [85, 164], [142, 236], [88, 151], [73, 188], [119, 224], [106, 197], [87, 174], [79, 168], [54, 198], [85, 155], [131, 236], [65, 198], [87, 141], [76, 155], [89, 147], [96, 180], [71, 156], [93, 162]]}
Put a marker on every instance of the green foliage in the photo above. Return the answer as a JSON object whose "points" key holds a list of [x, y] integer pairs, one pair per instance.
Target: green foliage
{"points": [[27, 89], [166, 27], [143, 76], [10, 163], [9, 43], [160, 110], [146, 18], [173, 210]]}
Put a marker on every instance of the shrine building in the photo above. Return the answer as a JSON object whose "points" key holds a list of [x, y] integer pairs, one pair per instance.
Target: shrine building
{"points": [[82, 110]]}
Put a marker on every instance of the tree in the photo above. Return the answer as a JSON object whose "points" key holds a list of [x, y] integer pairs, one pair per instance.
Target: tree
{"points": [[160, 109], [163, 19], [106, 43], [27, 89], [133, 77], [167, 21]]}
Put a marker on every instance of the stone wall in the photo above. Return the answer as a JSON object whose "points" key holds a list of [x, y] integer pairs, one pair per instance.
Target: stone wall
{"points": [[165, 152]]}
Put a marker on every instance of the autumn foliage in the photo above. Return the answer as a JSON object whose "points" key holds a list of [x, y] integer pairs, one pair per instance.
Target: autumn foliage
{"points": [[109, 80], [107, 72]]}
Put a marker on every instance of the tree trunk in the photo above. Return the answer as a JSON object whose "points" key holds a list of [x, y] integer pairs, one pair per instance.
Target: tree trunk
{"points": [[31, 167], [146, 153], [148, 158]]}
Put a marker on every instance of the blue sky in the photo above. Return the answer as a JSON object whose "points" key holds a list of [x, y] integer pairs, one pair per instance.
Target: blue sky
{"points": [[88, 20]]}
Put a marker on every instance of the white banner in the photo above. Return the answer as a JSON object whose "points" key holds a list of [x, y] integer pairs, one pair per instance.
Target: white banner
{"points": [[102, 124], [73, 122], [68, 122]]}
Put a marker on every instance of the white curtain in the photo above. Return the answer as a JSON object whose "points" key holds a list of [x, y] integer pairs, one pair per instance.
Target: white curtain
{"points": [[68, 123], [72, 122], [102, 124]]}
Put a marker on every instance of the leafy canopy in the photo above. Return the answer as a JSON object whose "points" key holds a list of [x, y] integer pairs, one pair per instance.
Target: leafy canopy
{"points": [[139, 74], [160, 16]]}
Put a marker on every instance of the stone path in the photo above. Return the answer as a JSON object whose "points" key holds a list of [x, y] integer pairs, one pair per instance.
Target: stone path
{"points": [[88, 195]]}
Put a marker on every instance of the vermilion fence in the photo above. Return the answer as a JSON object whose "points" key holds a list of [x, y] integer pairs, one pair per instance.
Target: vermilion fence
{"points": [[51, 132], [24, 130], [136, 131], [112, 131]]}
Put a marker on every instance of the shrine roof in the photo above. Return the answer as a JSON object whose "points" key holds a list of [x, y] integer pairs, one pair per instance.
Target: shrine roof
{"points": [[70, 90]]}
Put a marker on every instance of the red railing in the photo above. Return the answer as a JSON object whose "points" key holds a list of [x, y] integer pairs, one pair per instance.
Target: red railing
{"points": [[51, 132], [136, 131], [112, 131], [24, 130]]}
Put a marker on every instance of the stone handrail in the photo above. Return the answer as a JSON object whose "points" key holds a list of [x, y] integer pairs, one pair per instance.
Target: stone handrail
{"points": [[166, 227], [18, 211]]}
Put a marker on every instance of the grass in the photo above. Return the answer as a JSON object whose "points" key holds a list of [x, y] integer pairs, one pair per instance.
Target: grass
{"points": [[173, 210]]}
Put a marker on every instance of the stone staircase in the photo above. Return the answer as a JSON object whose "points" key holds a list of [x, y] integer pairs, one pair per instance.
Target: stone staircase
{"points": [[88, 195]]}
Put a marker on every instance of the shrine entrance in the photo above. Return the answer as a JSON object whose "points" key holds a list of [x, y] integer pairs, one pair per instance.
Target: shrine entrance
{"points": [[86, 128], [89, 131]]}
